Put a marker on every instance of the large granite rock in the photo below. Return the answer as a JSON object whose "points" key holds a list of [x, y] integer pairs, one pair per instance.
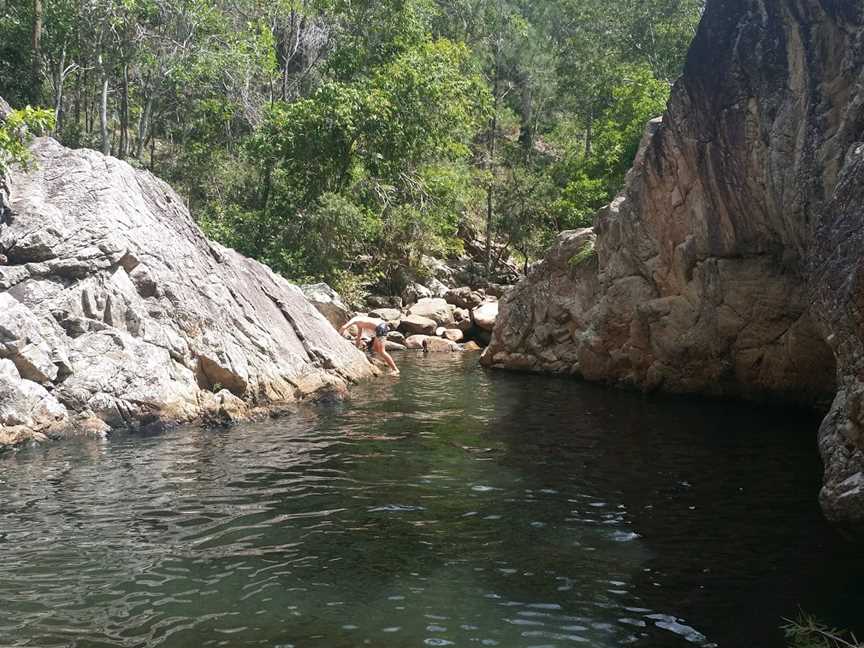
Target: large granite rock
{"points": [[486, 315], [27, 410], [417, 325], [329, 303], [730, 264], [436, 309], [115, 308]]}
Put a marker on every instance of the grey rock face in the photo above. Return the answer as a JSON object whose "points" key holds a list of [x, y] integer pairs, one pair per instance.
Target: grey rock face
{"points": [[27, 410], [114, 307], [730, 263]]}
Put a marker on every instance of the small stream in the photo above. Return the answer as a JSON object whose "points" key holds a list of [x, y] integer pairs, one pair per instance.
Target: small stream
{"points": [[449, 507]]}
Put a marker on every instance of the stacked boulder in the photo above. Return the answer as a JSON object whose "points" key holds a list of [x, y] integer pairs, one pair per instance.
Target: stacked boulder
{"points": [[458, 320], [462, 319]]}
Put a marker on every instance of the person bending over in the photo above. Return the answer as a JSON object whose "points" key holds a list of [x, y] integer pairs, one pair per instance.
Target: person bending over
{"points": [[379, 330]]}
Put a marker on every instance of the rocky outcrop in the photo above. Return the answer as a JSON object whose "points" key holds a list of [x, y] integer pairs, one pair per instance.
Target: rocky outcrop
{"points": [[730, 265], [115, 310]]}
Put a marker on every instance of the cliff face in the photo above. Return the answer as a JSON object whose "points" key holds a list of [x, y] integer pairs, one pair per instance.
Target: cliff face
{"points": [[116, 311], [730, 263]]}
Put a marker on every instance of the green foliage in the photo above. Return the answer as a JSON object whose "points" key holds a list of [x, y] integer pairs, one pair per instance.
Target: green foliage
{"points": [[591, 179], [343, 140], [370, 169], [806, 632], [582, 255], [16, 131], [636, 98]]}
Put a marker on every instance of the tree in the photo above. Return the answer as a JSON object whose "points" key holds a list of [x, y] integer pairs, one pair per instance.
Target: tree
{"points": [[16, 129], [384, 127]]}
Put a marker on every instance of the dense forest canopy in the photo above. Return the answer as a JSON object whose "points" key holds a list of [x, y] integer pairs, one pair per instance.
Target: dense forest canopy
{"points": [[344, 139]]}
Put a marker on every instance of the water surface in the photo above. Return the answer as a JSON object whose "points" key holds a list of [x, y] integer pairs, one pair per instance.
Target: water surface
{"points": [[450, 507]]}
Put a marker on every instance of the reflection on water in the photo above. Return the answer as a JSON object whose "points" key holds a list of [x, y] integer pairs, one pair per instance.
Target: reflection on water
{"points": [[449, 507]]}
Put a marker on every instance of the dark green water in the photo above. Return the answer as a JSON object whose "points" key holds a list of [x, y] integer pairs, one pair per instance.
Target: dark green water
{"points": [[451, 507]]}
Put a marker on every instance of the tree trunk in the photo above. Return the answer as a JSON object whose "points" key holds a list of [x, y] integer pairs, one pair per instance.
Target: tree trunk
{"points": [[124, 115], [144, 126], [59, 78], [493, 140], [589, 134], [36, 62], [103, 116], [526, 134], [490, 210]]}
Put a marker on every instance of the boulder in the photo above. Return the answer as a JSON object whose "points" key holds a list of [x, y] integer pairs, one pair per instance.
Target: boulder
{"points": [[396, 336], [440, 345], [435, 309], [462, 319], [437, 269], [464, 298], [471, 346], [387, 314], [437, 288], [416, 342], [231, 408], [378, 301], [115, 301], [417, 325], [329, 303], [486, 315], [414, 292], [22, 341], [497, 290], [394, 346], [27, 410], [454, 335]]}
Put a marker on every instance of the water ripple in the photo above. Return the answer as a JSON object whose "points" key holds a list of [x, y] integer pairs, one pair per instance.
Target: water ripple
{"points": [[452, 507]]}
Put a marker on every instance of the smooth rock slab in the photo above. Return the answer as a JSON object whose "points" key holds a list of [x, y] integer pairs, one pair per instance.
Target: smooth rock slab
{"points": [[120, 301]]}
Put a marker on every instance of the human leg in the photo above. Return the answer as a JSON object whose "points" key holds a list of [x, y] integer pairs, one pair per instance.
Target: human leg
{"points": [[380, 348]]}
